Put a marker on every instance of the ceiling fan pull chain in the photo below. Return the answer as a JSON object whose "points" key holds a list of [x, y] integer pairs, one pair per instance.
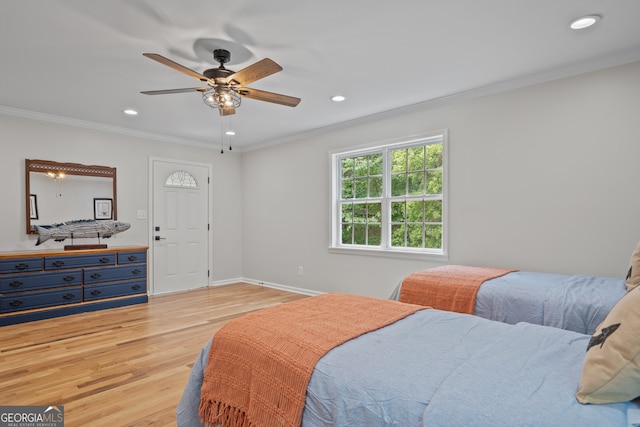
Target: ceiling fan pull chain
{"points": [[221, 138], [229, 131]]}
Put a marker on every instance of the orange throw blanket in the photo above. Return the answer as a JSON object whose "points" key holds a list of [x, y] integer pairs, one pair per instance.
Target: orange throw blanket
{"points": [[450, 287], [260, 364]]}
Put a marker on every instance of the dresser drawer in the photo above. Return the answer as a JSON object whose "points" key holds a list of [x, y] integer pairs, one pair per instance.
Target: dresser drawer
{"points": [[58, 262], [20, 264], [110, 274], [132, 257], [28, 300], [26, 282], [94, 292]]}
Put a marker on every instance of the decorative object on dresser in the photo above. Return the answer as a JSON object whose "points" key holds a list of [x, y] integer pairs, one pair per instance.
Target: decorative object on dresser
{"points": [[80, 229], [45, 284]]}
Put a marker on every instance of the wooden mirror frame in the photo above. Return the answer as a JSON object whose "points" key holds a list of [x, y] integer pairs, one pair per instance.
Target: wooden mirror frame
{"points": [[44, 166]]}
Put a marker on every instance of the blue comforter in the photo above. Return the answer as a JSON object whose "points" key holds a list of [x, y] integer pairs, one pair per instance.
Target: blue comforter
{"points": [[575, 303], [445, 369]]}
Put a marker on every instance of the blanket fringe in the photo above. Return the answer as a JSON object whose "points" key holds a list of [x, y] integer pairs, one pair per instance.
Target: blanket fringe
{"points": [[218, 414]]}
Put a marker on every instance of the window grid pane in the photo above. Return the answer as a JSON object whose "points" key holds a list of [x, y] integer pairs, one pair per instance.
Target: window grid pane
{"points": [[416, 172], [361, 177], [416, 223], [361, 223]]}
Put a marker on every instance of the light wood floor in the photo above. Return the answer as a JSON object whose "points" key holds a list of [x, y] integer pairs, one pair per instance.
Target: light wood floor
{"points": [[123, 366]]}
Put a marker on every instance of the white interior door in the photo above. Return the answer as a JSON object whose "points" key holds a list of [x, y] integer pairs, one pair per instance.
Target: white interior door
{"points": [[180, 226]]}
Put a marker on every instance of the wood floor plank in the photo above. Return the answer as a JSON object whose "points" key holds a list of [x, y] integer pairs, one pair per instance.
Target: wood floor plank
{"points": [[124, 366]]}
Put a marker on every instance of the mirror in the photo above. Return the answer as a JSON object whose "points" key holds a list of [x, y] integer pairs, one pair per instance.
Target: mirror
{"points": [[58, 192]]}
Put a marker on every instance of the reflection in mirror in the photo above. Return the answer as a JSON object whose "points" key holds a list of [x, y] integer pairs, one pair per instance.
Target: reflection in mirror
{"points": [[58, 192]]}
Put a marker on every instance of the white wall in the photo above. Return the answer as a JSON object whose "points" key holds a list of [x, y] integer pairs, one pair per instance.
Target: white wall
{"points": [[22, 138], [542, 178]]}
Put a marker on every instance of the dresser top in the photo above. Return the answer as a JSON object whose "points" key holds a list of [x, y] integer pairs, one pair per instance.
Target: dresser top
{"points": [[57, 252]]}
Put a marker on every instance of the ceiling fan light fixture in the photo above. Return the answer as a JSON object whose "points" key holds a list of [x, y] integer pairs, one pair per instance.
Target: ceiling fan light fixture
{"points": [[56, 175], [220, 98], [585, 22], [227, 99]]}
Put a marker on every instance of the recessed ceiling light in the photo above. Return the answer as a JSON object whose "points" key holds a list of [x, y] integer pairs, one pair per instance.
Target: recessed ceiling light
{"points": [[338, 98], [131, 112], [585, 22], [230, 132]]}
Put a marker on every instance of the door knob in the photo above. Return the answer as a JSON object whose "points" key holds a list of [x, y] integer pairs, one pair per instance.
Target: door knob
{"points": [[160, 238]]}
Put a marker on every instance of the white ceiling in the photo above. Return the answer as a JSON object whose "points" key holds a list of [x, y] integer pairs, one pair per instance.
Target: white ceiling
{"points": [[80, 61]]}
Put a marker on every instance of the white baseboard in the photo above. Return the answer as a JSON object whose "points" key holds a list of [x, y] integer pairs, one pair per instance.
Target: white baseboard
{"points": [[276, 286], [255, 282], [226, 281]]}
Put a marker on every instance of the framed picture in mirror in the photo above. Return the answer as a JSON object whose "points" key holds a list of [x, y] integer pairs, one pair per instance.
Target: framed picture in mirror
{"points": [[102, 208], [33, 206]]}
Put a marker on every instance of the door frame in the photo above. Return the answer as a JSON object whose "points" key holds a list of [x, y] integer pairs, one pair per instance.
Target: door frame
{"points": [[150, 217]]}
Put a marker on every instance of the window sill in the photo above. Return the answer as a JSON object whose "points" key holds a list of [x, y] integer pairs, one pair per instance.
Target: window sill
{"points": [[399, 254]]}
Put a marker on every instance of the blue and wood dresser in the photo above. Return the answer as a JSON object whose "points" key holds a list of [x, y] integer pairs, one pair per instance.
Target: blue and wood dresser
{"points": [[37, 285]]}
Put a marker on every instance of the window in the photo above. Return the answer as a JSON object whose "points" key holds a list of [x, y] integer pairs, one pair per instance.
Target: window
{"points": [[391, 198], [181, 179]]}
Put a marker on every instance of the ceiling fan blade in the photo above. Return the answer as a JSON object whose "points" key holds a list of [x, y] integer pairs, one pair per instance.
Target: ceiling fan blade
{"points": [[169, 63], [261, 69], [164, 92], [262, 95], [227, 111]]}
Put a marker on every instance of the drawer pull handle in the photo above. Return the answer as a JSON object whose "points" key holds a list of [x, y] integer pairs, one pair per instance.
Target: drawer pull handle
{"points": [[16, 303], [68, 278], [104, 260], [96, 292], [96, 275], [136, 287], [22, 266], [132, 258], [15, 284], [136, 271], [58, 263], [68, 296]]}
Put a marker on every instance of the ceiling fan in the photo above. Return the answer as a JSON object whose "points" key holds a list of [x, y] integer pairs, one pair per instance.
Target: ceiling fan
{"points": [[226, 87]]}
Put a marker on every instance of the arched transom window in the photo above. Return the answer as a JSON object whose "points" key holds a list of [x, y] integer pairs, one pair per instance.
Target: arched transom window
{"points": [[181, 179]]}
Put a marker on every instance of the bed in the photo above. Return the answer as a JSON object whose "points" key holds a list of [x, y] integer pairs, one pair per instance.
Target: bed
{"points": [[425, 367], [573, 302]]}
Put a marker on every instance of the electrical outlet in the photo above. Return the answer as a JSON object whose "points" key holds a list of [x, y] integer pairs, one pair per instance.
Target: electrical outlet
{"points": [[300, 271]]}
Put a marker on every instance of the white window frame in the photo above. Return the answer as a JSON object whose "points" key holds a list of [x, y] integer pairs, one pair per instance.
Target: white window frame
{"points": [[386, 249]]}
